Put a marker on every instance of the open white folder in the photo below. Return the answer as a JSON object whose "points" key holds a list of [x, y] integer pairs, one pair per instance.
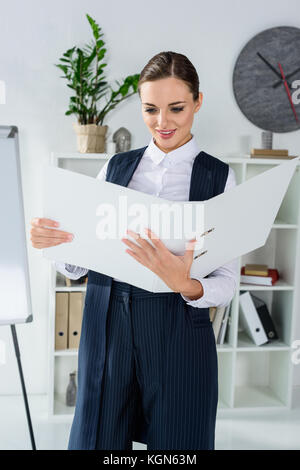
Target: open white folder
{"points": [[241, 219]]}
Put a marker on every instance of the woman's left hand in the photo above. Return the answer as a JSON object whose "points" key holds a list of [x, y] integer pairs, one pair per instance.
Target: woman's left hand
{"points": [[174, 270]]}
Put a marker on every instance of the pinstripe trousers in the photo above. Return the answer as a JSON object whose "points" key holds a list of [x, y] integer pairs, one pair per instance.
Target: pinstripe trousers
{"points": [[161, 360]]}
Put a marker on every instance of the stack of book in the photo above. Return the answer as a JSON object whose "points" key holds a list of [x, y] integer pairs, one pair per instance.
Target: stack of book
{"points": [[271, 153], [220, 318], [259, 274], [255, 319]]}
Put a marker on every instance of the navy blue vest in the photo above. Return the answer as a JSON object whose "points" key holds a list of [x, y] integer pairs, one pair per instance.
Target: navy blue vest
{"points": [[208, 179]]}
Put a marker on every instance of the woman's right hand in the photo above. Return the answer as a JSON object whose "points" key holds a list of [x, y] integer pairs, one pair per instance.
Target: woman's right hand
{"points": [[42, 237]]}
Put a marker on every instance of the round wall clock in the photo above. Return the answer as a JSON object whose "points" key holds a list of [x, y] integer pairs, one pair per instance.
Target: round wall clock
{"points": [[263, 79]]}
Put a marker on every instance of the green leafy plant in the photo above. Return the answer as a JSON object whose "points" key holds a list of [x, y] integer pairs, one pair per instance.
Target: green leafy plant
{"points": [[83, 69]]}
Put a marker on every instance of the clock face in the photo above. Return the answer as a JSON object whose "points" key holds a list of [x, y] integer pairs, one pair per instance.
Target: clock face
{"points": [[258, 85]]}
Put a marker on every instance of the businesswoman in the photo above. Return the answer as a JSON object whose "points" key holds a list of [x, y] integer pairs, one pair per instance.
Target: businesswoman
{"points": [[147, 362]]}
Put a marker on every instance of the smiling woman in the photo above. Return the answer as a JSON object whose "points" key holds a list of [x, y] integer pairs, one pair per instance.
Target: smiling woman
{"points": [[164, 78], [147, 361]]}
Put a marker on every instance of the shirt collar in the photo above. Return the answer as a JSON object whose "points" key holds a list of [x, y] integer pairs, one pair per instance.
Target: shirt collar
{"points": [[187, 151]]}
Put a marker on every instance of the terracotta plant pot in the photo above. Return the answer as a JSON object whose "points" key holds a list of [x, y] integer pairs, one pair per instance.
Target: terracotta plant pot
{"points": [[90, 137]]}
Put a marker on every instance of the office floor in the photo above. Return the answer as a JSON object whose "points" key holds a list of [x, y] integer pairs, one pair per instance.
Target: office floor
{"points": [[270, 430]]}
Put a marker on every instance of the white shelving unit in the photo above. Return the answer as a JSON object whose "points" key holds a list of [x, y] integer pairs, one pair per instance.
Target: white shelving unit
{"points": [[250, 377]]}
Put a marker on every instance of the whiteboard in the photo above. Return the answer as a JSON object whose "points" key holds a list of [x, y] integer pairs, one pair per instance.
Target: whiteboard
{"points": [[15, 299]]}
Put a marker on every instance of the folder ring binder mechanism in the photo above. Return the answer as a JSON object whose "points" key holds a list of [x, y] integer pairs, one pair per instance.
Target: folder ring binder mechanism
{"points": [[202, 235], [238, 220]]}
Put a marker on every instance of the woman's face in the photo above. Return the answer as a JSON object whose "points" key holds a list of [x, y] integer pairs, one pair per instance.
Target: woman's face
{"points": [[168, 105]]}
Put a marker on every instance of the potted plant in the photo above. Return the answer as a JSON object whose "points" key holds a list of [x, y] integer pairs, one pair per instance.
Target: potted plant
{"points": [[83, 69]]}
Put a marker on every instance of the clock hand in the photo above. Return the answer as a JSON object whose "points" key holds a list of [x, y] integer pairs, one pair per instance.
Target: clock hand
{"points": [[288, 92], [271, 67], [287, 76]]}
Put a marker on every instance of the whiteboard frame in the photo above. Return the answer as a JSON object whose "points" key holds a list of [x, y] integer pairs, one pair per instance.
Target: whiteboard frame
{"points": [[11, 132]]}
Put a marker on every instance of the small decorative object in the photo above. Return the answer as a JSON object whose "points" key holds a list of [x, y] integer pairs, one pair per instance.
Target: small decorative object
{"points": [[71, 390], [89, 87], [266, 139], [122, 138]]}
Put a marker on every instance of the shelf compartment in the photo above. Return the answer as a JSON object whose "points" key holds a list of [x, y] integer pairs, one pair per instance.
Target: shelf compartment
{"points": [[278, 253], [63, 366], [262, 379], [280, 306]]}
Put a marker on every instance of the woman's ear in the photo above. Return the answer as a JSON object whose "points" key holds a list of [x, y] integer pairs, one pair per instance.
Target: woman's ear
{"points": [[199, 104]]}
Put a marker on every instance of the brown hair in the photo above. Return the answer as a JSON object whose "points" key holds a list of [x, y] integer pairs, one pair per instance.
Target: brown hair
{"points": [[171, 64]]}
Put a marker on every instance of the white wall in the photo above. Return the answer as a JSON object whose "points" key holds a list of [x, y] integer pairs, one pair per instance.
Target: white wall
{"points": [[35, 33]]}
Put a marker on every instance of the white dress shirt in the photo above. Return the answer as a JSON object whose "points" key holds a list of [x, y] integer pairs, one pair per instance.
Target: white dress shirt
{"points": [[168, 176]]}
